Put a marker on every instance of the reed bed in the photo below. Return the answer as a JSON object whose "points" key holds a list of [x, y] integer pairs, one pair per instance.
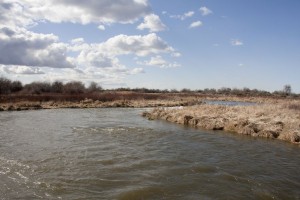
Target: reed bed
{"points": [[279, 120]]}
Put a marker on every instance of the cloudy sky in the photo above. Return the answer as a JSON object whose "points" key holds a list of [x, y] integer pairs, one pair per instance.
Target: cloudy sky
{"points": [[169, 44]]}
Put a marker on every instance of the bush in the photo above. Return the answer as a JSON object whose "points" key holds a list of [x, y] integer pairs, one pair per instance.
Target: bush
{"points": [[74, 87], [94, 87], [5, 85], [37, 87], [57, 87], [16, 86]]}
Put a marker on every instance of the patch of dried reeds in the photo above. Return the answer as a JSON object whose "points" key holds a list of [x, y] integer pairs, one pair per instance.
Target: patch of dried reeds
{"points": [[281, 121]]}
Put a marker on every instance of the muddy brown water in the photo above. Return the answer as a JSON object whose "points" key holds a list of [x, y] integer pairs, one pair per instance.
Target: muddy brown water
{"points": [[117, 154]]}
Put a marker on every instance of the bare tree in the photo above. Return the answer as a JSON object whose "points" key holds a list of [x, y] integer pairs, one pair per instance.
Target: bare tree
{"points": [[57, 87], [287, 89], [74, 87], [5, 85], [38, 87], [94, 87], [16, 86]]}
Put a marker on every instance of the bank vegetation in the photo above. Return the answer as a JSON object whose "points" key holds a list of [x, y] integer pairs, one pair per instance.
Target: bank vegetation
{"points": [[276, 120]]}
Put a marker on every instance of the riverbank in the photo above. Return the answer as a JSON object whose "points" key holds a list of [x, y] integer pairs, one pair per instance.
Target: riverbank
{"points": [[279, 120], [89, 103], [119, 99]]}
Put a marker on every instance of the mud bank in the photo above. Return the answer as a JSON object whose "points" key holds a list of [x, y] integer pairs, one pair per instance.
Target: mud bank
{"points": [[269, 121]]}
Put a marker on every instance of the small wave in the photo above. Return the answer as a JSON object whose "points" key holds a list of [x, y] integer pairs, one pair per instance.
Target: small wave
{"points": [[109, 130], [4, 170], [13, 163], [22, 176], [19, 175]]}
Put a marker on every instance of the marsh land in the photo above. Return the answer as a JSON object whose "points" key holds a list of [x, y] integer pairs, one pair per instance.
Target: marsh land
{"points": [[261, 114], [269, 117]]}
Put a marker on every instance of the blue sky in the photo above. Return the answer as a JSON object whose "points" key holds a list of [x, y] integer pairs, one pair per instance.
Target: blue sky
{"points": [[169, 44]]}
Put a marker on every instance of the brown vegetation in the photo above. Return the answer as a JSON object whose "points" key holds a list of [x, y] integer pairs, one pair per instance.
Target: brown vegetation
{"points": [[280, 120], [277, 114]]}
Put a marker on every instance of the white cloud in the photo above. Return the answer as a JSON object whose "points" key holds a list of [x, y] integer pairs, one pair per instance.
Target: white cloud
{"points": [[26, 12], [176, 54], [184, 16], [205, 11], [25, 70], [103, 76], [103, 57], [77, 41], [153, 23], [137, 71], [13, 14], [136, 44], [236, 42], [189, 14], [159, 62], [101, 27], [22, 47], [26, 52], [196, 24]]}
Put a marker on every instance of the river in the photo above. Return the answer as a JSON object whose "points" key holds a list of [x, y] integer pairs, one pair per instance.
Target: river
{"points": [[117, 154]]}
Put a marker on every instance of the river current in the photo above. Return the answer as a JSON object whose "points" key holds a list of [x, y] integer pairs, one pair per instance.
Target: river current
{"points": [[117, 154]]}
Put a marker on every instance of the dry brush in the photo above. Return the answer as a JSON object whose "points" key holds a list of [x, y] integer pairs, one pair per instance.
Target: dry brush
{"points": [[280, 121]]}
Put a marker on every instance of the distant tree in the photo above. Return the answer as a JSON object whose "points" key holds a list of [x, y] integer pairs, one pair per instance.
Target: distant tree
{"points": [[57, 87], [16, 86], [74, 87], [199, 91], [5, 85], [94, 87], [38, 87], [185, 90], [209, 91], [246, 91], [287, 89], [224, 90]]}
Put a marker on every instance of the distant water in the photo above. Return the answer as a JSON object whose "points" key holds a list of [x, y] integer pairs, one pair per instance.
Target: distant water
{"points": [[230, 103], [117, 154]]}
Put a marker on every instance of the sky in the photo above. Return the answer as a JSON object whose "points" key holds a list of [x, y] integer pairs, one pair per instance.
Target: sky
{"points": [[167, 44]]}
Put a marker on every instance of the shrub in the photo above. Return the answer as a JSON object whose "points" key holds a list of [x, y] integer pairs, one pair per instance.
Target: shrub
{"points": [[5, 85], [37, 87], [16, 86], [94, 87], [74, 87], [57, 87]]}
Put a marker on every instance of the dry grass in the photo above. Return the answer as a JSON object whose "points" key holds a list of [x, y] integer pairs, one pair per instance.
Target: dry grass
{"points": [[279, 120]]}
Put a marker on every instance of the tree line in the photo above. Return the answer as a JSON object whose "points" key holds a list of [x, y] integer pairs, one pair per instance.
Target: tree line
{"points": [[74, 87], [77, 87]]}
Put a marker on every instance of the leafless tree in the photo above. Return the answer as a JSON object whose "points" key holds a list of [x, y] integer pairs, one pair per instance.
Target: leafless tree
{"points": [[57, 87], [94, 87], [287, 89], [4, 85], [74, 87]]}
